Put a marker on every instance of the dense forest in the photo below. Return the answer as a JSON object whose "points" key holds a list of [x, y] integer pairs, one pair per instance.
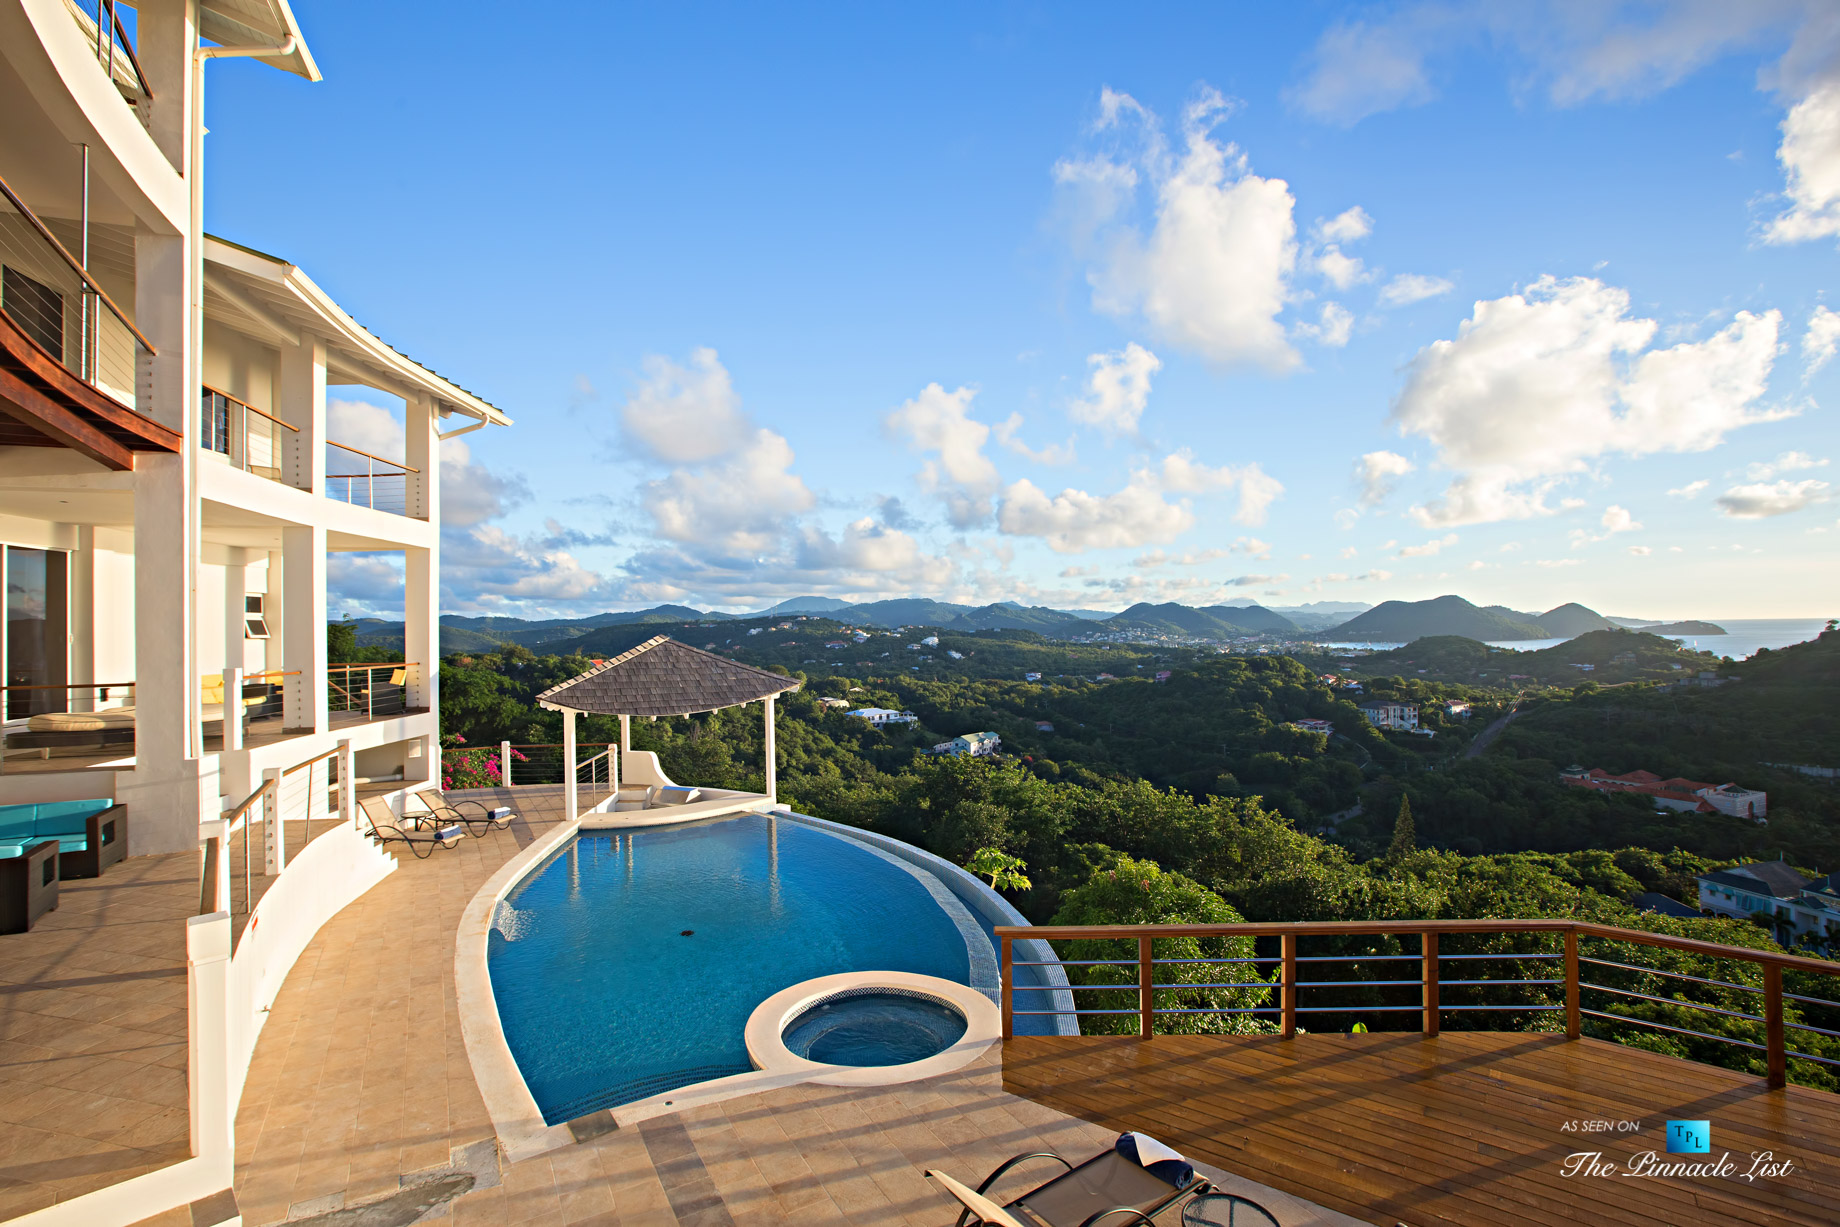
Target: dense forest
{"points": [[1198, 794]]}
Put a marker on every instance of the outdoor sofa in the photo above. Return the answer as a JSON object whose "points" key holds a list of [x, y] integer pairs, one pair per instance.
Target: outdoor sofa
{"points": [[90, 835], [28, 886], [113, 727]]}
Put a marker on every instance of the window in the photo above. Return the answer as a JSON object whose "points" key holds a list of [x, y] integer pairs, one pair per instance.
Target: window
{"points": [[255, 620], [35, 307], [37, 631], [214, 427]]}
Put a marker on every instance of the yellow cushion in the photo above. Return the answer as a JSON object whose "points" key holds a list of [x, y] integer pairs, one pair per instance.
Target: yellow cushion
{"points": [[213, 689]]}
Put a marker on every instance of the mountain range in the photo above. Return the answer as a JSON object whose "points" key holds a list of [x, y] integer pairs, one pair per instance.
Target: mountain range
{"points": [[1391, 621]]}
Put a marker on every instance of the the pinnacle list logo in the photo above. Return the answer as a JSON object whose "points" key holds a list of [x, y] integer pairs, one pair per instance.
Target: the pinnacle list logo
{"points": [[1689, 1137]]}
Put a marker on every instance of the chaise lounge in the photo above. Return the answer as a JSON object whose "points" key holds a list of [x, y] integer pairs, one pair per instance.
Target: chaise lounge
{"points": [[385, 830]]}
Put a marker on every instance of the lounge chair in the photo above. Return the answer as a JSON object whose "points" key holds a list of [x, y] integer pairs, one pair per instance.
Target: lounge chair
{"points": [[385, 831], [1226, 1210], [1129, 1184], [476, 818]]}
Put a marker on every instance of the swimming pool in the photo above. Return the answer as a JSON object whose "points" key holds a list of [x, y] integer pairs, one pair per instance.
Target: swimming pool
{"points": [[628, 964]]}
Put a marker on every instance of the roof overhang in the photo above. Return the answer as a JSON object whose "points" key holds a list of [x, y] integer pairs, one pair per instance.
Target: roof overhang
{"points": [[662, 677], [276, 302], [257, 23]]}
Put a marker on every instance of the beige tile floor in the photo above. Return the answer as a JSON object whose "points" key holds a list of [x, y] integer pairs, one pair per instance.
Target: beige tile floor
{"points": [[361, 1079], [93, 1034]]}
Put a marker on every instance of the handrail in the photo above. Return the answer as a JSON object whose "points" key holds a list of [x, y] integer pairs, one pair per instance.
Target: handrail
{"points": [[349, 665], [72, 686], [251, 408], [1771, 964], [75, 265], [358, 451], [127, 45], [333, 753]]}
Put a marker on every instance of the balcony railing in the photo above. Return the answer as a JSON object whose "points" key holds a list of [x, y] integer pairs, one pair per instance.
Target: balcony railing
{"points": [[375, 688], [249, 438], [51, 296], [1724, 1005], [366, 480], [102, 26]]}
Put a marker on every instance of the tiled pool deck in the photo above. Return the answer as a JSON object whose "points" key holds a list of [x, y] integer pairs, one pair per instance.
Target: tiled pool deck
{"points": [[361, 1080]]}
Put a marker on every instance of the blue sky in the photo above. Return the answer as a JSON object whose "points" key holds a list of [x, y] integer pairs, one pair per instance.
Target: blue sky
{"points": [[1079, 306]]}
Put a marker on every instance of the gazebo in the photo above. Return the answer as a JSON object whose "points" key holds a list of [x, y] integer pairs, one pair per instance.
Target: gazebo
{"points": [[660, 677]]}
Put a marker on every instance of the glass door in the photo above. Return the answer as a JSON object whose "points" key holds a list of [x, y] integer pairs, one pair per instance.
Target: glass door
{"points": [[37, 632]]}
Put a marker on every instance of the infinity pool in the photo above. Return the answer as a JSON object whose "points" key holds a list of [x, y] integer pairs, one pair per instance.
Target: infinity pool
{"points": [[628, 964]]}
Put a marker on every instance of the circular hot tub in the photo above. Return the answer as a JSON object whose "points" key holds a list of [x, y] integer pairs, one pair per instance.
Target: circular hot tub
{"points": [[874, 1026], [871, 1028]]}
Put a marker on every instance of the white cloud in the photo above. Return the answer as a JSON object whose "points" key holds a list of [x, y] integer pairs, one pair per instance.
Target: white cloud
{"points": [[1475, 564], [1349, 551], [1257, 489], [1253, 581], [1820, 340], [1333, 331], [1539, 384], [1761, 500], [1361, 68], [1618, 520], [1408, 288], [1640, 551], [868, 546], [1690, 490], [685, 414], [1556, 562], [1211, 272], [1377, 473], [1341, 271], [1117, 390], [739, 505], [1810, 157], [1788, 462], [1428, 548], [1052, 454], [1346, 226], [1073, 520], [937, 421]]}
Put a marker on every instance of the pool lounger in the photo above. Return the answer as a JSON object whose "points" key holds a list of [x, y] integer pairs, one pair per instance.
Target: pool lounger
{"points": [[1128, 1184], [389, 833], [476, 818]]}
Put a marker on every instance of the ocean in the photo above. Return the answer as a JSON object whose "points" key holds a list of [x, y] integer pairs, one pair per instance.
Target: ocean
{"points": [[1744, 636]]}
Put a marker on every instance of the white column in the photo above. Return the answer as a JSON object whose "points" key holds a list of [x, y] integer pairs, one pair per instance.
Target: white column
{"points": [[272, 654], [236, 587], [422, 568], [300, 401], [207, 956], [504, 763], [233, 709], [303, 598], [772, 754], [570, 802], [625, 734], [83, 619]]}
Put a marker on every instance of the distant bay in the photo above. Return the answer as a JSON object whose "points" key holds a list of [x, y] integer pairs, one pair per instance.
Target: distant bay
{"points": [[1743, 638]]}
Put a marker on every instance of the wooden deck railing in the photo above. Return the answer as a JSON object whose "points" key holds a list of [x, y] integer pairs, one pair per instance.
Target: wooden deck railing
{"points": [[1281, 996]]}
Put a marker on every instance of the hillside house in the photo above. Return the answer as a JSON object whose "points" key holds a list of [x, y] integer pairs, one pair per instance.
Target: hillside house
{"points": [[1677, 793], [1315, 726], [970, 745], [880, 716], [1031, 677], [1390, 715], [1044, 726], [1801, 910], [1163, 675], [1456, 709], [833, 702], [931, 641]]}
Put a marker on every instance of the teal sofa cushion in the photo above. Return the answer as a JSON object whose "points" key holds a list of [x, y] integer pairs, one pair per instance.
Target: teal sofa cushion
{"points": [[67, 817], [10, 848], [16, 821], [79, 843]]}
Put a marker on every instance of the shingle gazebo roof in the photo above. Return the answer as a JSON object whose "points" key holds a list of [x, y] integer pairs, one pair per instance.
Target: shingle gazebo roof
{"points": [[662, 677]]}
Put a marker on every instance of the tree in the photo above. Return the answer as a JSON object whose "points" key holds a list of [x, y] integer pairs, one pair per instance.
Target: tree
{"points": [[1405, 840], [1004, 871]]}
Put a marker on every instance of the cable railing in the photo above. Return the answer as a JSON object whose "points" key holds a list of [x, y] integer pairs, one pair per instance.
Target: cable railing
{"points": [[102, 27], [382, 485], [255, 841], [376, 688], [249, 438], [50, 296], [543, 763], [1718, 1004]]}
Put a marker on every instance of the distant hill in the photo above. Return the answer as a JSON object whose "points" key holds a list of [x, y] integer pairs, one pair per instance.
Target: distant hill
{"points": [[905, 611], [1573, 619], [1213, 622], [1685, 628], [804, 605], [1009, 616], [1404, 621]]}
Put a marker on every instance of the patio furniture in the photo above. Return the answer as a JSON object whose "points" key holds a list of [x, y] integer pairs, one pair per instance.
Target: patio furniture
{"points": [[90, 835], [385, 831], [476, 818], [1226, 1210], [28, 886], [1126, 1185]]}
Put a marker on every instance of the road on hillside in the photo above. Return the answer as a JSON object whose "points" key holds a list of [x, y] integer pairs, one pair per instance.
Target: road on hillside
{"points": [[1489, 734]]}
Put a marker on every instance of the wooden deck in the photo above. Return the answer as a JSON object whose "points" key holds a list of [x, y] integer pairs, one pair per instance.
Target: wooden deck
{"points": [[1465, 1127]]}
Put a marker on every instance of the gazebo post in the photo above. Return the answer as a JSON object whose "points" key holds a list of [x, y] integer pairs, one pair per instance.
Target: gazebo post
{"points": [[570, 802], [625, 734], [772, 755]]}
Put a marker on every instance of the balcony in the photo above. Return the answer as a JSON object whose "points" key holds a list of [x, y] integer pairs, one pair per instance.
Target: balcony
{"points": [[69, 357]]}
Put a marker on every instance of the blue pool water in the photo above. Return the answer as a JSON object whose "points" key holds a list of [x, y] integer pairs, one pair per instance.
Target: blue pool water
{"points": [[605, 1001], [874, 1029]]}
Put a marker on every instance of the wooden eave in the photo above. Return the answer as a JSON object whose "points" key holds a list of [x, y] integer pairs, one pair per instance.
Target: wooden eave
{"points": [[45, 405]]}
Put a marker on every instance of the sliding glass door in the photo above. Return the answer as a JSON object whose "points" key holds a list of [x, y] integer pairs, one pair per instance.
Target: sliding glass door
{"points": [[37, 631]]}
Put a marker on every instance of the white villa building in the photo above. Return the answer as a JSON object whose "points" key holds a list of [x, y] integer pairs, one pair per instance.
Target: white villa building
{"points": [[1385, 714], [170, 494], [880, 716]]}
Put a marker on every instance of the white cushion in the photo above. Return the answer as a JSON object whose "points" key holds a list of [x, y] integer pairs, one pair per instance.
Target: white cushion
{"points": [[82, 721]]}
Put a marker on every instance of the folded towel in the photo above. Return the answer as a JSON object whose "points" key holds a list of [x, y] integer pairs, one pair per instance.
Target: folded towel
{"points": [[1154, 1157]]}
